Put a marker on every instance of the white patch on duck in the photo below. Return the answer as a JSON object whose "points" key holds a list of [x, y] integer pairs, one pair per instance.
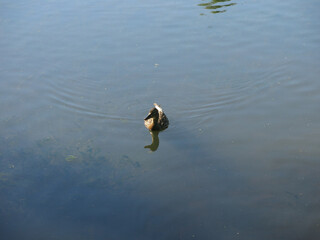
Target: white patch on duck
{"points": [[158, 107]]}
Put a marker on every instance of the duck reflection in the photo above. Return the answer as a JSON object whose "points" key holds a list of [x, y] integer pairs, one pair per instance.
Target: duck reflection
{"points": [[217, 4], [155, 141]]}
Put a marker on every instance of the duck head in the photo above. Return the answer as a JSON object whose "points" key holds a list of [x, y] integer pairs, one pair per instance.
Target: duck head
{"points": [[152, 118]]}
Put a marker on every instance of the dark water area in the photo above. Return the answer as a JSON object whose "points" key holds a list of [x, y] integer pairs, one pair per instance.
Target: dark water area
{"points": [[238, 80]]}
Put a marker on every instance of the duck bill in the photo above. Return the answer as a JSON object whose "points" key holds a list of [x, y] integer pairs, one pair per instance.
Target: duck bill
{"points": [[148, 117]]}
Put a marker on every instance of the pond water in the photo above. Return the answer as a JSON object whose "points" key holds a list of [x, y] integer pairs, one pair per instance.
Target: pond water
{"points": [[238, 80]]}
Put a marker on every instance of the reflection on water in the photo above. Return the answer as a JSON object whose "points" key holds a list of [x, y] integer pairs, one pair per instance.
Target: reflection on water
{"points": [[155, 141], [216, 4]]}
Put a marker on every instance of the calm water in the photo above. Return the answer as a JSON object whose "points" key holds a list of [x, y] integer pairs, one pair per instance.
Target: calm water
{"points": [[238, 80]]}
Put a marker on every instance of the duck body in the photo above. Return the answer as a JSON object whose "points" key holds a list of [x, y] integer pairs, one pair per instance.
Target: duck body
{"points": [[156, 119]]}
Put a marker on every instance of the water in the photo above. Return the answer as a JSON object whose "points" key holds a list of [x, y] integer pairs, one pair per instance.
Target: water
{"points": [[238, 80]]}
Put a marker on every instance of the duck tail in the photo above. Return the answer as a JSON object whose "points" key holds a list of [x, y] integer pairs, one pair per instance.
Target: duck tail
{"points": [[158, 107]]}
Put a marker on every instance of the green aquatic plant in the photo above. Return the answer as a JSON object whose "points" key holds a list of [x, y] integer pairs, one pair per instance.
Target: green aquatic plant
{"points": [[216, 4], [4, 176], [70, 158]]}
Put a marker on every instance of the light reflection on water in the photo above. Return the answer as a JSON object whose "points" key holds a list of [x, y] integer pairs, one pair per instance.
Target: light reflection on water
{"points": [[239, 159]]}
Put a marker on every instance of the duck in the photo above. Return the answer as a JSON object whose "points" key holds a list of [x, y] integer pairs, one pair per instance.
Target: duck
{"points": [[156, 119]]}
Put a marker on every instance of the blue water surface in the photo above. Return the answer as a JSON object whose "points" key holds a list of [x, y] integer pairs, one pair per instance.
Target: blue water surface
{"points": [[238, 80]]}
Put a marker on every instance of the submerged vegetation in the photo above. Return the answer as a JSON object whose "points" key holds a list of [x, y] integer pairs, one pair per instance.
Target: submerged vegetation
{"points": [[49, 163]]}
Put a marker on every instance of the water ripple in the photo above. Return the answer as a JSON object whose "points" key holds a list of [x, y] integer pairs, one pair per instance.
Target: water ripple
{"points": [[208, 102], [83, 96]]}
